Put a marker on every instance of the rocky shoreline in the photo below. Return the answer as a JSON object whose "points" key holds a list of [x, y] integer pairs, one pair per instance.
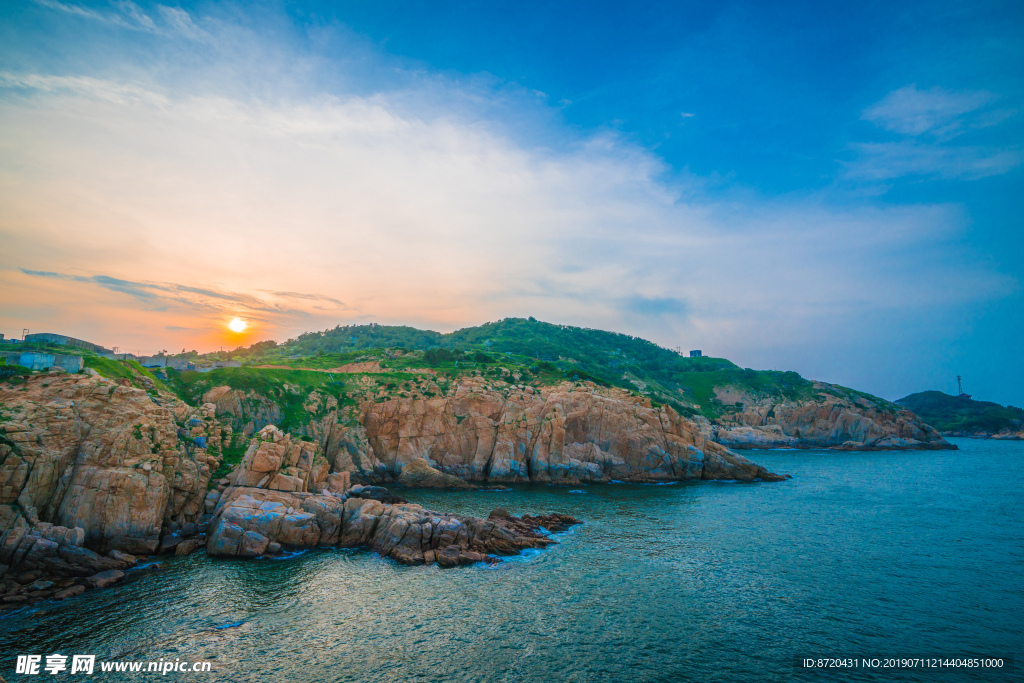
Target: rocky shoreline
{"points": [[835, 419], [98, 476], [486, 433], [407, 534], [997, 436]]}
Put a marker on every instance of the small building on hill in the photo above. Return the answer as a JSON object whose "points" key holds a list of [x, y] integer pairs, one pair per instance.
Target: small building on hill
{"points": [[696, 353], [166, 362], [42, 361]]}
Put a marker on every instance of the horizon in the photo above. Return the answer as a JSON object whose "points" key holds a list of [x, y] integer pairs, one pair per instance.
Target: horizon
{"points": [[828, 190]]}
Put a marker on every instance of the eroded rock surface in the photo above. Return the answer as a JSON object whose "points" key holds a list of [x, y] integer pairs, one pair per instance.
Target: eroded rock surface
{"points": [[249, 520], [561, 434], [276, 461], [852, 422], [87, 453], [417, 473]]}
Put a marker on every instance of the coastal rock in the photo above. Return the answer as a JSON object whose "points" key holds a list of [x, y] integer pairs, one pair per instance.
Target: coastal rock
{"points": [[338, 482], [104, 579], [189, 546], [834, 417], [249, 520], [278, 462], [69, 592], [417, 473], [377, 493], [766, 436], [88, 466], [487, 432]]}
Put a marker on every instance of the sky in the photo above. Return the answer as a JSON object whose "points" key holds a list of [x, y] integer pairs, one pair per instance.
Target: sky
{"points": [[830, 188]]}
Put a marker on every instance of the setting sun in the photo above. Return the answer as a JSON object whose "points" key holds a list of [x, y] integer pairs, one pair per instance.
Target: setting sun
{"points": [[237, 325]]}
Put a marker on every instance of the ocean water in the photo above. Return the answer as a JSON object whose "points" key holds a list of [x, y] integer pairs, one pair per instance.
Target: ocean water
{"points": [[913, 554]]}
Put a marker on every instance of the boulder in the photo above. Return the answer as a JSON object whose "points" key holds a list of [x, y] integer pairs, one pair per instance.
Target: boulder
{"points": [[338, 482], [69, 592], [189, 546], [104, 579], [417, 473], [252, 544], [169, 543]]}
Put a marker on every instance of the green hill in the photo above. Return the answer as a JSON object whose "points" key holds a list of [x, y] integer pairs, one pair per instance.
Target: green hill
{"points": [[541, 352], [959, 414]]}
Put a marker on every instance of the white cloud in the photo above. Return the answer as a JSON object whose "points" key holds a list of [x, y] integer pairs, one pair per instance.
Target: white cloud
{"points": [[890, 160], [173, 21], [252, 168], [435, 220], [935, 111], [929, 121]]}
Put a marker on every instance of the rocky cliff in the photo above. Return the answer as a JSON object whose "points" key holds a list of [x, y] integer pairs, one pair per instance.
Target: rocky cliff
{"points": [[88, 453], [92, 470], [831, 417], [481, 430]]}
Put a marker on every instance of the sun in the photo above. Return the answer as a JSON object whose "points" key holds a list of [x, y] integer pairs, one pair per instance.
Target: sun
{"points": [[237, 325]]}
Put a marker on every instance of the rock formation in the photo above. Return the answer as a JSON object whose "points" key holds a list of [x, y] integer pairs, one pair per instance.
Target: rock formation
{"points": [[278, 462], [281, 497], [252, 522], [94, 472], [497, 433], [417, 473], [560, 434], [84, 452], [90, 471], [830, 420]]}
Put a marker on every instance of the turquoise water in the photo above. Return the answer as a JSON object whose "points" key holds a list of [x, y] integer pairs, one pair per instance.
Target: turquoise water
{"points": [[866, 554]]}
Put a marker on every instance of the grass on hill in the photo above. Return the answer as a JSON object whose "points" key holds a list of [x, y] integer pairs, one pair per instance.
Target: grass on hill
{"points": [[540, 353], [289, 389], [125, 369], [511, 350]]}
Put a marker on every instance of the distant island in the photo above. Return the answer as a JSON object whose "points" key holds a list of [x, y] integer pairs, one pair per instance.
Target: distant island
{"points": [[963, 416]]}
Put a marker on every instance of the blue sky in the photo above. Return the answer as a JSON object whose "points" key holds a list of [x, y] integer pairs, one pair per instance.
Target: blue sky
{"points": [[830, 188]]}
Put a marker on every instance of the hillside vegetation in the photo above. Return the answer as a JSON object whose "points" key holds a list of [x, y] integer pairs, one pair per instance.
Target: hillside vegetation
{"points": [[347, 362], [531, 351], [956, 414]]}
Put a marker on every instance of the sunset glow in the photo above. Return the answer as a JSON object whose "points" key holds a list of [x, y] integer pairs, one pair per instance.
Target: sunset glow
{"points": [[150, 200]]}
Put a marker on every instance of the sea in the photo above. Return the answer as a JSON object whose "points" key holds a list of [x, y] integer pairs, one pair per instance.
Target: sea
{"points": [[865, 566]]}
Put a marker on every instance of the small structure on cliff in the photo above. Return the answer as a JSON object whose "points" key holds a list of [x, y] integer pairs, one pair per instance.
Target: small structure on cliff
{"points": [[960, 388], [42, 361], [696, 353], [64, 340]]}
